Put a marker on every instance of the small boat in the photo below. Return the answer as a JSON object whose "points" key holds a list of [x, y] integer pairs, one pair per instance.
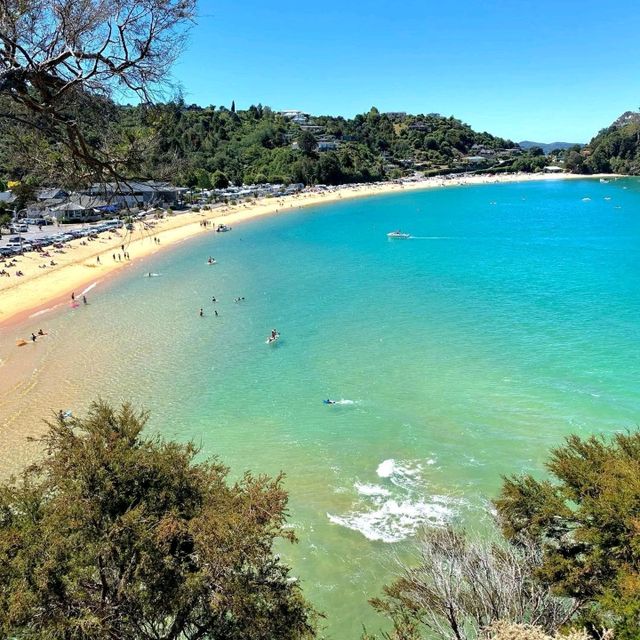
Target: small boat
{"points": [[604, 181], [398, 235], [273, 339], [222, 228], [211, 261]]}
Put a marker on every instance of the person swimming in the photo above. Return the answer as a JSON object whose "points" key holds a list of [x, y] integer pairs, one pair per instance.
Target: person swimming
{"points": [[40, 332], [329, 401]]}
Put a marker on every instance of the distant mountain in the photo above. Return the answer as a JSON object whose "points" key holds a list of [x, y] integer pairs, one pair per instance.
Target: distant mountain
{"points": [[548, 146]]}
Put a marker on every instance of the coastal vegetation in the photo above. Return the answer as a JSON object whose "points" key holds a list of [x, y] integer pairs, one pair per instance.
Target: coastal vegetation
{"points": [[114, 535], [615, 149]]}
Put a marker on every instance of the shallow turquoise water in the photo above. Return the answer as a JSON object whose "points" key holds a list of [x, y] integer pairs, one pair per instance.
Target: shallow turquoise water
{"points": [[510, 320]]}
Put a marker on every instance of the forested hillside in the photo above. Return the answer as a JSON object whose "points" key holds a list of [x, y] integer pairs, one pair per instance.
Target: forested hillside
{"points": [[205, 146], [615, 149]]}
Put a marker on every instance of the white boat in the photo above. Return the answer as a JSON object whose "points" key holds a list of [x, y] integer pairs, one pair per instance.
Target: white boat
{"points": [[604, 181], [222, 228], [273, 339], [399, 235]]}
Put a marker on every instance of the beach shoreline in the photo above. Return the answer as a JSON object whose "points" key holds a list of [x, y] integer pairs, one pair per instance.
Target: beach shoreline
{"points": [[41, 290]]}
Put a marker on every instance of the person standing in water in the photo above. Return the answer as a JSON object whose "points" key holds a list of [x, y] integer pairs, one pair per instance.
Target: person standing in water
{"points": [[84, 299], [201, 312]]}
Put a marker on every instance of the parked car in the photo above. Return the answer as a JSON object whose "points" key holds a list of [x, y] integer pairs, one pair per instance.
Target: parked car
{"points": [[18, 228]]}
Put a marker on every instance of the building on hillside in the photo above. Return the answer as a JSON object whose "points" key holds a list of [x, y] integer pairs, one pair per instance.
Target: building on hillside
{"points": [[553, 169], [475, 160], [299, 117], [328, 145]]}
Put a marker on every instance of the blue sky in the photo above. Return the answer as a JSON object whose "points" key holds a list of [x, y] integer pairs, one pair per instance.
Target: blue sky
{"points": [[544, 70]]}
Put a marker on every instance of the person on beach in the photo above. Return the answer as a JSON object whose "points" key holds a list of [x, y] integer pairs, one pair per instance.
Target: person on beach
{"points": [[98, 259], [73, 295], [201, 312], [84, 299], [33, 337]]}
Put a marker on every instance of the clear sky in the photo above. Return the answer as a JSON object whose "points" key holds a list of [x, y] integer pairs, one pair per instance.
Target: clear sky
{"points": [[544, 70]]}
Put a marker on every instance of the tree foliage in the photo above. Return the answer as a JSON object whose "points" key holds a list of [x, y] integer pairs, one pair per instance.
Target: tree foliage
{"points": [[174, 141], [62, 61], [116, 536], [586, 519]]}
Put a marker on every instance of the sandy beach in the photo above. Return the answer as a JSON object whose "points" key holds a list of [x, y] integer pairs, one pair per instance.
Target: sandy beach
{"points": [[81, 264]]}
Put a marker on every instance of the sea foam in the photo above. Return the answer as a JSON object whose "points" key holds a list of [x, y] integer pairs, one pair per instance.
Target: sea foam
{"points": [[394, 512]]}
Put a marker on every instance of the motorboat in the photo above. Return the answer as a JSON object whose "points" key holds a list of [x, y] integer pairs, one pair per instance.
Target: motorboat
{"points": [[222, 228], [398, 235]]}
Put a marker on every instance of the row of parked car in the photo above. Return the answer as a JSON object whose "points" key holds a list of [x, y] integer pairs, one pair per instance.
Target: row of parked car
{"points": [[18, 244]]}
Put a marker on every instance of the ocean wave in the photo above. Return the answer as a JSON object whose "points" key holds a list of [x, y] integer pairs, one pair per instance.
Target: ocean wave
{"points": [[371, 489], [394, 520], [404, 474], [394, 512]]}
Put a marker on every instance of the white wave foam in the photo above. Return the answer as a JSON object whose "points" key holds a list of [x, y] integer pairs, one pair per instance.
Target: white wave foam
{"points": [[91, 286], [42, 312], [385, 468], [396, 520], [371, 489]]}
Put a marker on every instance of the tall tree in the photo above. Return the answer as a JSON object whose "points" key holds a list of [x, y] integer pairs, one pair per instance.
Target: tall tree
{"points": [[307, 142], [116, 536]]}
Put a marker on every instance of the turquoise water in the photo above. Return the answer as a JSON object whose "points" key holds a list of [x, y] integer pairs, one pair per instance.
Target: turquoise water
{"points": [[510, 320]]}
